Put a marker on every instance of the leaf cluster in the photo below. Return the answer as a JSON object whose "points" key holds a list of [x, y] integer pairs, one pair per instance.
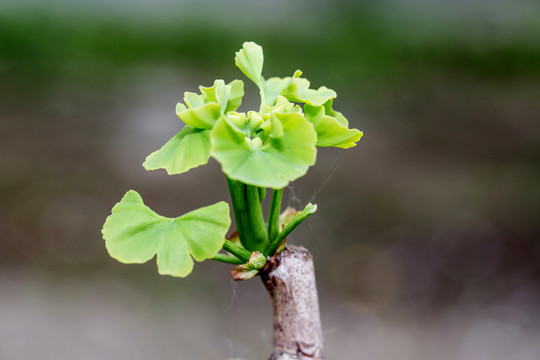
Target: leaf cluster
{"points": [[256, 150]]}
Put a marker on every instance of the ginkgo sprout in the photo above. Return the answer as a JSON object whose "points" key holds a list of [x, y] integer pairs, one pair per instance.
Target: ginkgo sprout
{"points": [[257, 150]]}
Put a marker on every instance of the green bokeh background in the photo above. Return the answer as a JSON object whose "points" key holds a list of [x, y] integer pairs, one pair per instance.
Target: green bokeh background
{"points": [[426, 241]]}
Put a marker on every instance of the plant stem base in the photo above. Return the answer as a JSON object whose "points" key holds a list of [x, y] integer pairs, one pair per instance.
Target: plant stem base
{"points": [[297, 324]]}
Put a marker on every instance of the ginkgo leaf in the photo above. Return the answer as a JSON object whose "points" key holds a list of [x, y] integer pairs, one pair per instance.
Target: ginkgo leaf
{"points": [[328, 110], [330, 131], [229, 97], [186, 150], [134, 233], [235, 95], [298, 90], [284, 156], [295, 89], [202, 117], [273, 87], [250, 60], [202, 111], [281, 105]]}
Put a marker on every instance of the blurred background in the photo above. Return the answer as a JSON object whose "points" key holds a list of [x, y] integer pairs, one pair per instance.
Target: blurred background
{"points": [[426, 242]]}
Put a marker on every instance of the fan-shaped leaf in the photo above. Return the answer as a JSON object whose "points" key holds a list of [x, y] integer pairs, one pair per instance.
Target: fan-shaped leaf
{"points": [[186, 150], [335, 114], [298, 90], [330, 130], [284, 156], [273, 88], [202, 111], [295, 89], [134, 233], [250, 60]]}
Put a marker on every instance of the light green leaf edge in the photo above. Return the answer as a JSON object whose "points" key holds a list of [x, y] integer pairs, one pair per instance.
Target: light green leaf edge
{"points": [[202, 111], [134, 233], [272, 89], [296, 89], [330, 130], [272, 164], [331, 126], [188, 149], [250, 60]]}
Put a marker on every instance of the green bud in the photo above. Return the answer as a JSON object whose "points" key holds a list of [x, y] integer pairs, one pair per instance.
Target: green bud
{"points": [[256, 261]]}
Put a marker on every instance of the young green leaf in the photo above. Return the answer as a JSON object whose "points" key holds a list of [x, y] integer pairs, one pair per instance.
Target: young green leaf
{"points": [[330, 131], [203, 116], [295, 89], [250, 60], [275, 162], [328, 110], [134, 233], [273, 87], [202, 111], [186, 150], [281, 105], [298, 90], [229, 97]]}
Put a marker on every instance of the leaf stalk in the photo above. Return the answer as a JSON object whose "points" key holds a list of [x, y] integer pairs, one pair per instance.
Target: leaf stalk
{"points": [[229, 259], [273, 216], [297, 220], [246, 201], [237, 251], [259, 235], [236, 191]]}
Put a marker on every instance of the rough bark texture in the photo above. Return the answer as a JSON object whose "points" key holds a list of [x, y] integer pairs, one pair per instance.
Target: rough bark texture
{"points": [[297, 324]]}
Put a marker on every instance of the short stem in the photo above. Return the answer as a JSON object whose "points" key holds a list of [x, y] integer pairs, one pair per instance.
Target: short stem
{"points": [[237, 251], [229, 259], [273, 216]]}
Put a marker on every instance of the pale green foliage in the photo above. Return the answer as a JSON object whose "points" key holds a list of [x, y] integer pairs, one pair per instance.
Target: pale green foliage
{"points": [[330, 131], [298, 90], [191, 146], [268, 148], [272, 89], [256, 150], [250, 60], [202, 111], [187, 149], [134, 233], [285, 155]]}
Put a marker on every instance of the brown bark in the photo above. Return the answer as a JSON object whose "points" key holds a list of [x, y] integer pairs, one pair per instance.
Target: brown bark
{"points": [[297, 324]]}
